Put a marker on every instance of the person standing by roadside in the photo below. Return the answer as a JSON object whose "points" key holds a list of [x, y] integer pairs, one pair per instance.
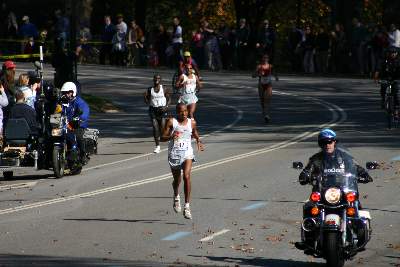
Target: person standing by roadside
{"points": [[179, 132], [394, 36], [266, 41], [7, 79], [61, 28], [177, 40], [3, 103], [322, 46], [28, 29], [135, 34], [161, 44], [243, 35], [106, 38], [121, 23], [119, 47], [309, 51], [29, 92], [158, 99]]}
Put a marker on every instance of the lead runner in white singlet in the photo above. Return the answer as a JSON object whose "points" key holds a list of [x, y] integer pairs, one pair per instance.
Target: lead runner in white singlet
{"points": [[179, 132]]}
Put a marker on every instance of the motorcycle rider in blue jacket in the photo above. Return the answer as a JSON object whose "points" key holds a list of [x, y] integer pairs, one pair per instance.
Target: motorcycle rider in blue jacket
{"points": [[78, 112]]}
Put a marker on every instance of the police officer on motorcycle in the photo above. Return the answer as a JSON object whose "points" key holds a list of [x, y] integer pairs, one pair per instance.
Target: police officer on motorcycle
{"points": [[329, 158], [77, 111]]}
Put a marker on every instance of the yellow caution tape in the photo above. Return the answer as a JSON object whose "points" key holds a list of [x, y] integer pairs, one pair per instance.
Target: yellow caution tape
{"points": [[26, 40], [23, 56]]}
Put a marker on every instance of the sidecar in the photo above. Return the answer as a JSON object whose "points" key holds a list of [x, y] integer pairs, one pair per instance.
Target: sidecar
{"points": [[21, 149]]}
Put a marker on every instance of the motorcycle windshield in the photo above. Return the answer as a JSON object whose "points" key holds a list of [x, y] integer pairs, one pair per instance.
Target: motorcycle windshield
{"points": [[346, 181], [340, 172]]}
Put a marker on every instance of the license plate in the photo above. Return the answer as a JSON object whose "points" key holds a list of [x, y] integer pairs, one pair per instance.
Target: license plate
{"points": [[332, 219]]}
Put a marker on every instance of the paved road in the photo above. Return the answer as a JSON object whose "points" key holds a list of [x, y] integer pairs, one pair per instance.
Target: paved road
{"points": [[246, 200]]}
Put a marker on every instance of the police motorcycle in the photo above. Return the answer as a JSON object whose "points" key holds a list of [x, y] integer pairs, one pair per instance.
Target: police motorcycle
{"points": [[66, 153], [334, 225], [45, 150]]}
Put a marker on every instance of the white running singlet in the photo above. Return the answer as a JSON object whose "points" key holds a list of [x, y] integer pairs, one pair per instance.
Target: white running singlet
{"points": [[180, 149], [157, 99]]}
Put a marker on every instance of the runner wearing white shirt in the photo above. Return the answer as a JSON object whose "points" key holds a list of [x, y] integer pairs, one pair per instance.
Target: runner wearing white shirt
{"points": [[190, 85], [158, 100], [179, 132]]}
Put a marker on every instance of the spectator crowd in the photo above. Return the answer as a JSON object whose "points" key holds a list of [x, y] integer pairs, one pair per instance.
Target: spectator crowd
{"points": [[312, 49]]}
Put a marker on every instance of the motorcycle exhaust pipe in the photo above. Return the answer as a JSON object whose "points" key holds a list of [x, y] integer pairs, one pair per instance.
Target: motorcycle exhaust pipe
{"points": [[309, 224]]}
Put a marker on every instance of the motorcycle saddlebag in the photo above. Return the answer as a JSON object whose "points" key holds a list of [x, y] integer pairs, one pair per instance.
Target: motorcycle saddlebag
{"points": [[90, 137]]}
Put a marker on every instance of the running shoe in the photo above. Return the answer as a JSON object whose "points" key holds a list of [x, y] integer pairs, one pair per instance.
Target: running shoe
{"points": [[186, 213], [177, 204], [157, 149]]}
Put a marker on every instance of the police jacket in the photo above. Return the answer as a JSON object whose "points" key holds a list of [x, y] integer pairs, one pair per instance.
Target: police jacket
{"points": [[78, 108], [322, 163]]}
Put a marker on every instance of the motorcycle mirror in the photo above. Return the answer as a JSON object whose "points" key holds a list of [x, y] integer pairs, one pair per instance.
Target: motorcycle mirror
{"points": [[297, 165], [372, 165]]}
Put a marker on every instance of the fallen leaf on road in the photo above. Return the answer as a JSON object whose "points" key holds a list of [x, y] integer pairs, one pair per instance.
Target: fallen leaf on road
{"points": [[273, 238], [148, 233]]}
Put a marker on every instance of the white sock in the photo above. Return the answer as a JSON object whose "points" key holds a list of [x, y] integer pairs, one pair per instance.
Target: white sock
{"points": [[186, 205], [177, 197]]}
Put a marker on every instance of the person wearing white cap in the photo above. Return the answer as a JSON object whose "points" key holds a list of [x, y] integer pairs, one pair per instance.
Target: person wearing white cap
{"points": [[28, 29]]}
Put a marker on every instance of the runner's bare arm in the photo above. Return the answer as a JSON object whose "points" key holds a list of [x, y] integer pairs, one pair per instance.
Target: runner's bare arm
{"points": [[166, 132], [256, 72], [179, 82], [167, 95], [199, 85], [146, 97], [195, 135]]}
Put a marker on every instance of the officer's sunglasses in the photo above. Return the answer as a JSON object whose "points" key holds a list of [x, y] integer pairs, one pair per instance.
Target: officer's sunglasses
{"points": [[327, 142]]}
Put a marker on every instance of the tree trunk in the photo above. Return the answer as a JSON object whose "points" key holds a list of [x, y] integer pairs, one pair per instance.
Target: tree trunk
{"points": [[140, 13]]}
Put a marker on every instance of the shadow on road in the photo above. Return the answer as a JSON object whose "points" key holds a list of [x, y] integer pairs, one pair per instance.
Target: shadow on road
{"points": [[121, 220], [261, 262], [37, 260]]}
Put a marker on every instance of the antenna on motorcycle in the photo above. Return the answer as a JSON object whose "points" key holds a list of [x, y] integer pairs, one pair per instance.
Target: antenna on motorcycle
{"points": [[39, 67]]}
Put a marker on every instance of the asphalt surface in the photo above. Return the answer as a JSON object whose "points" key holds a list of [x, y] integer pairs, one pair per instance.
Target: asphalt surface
{"points": [[246, 204]]}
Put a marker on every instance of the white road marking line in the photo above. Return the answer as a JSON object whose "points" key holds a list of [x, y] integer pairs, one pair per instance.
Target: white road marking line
{"points": [[280, 145], [254, 206], [210, 237], [18, 186], [176, 236]]}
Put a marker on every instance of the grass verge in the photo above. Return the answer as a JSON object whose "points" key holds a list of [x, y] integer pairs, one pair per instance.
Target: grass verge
{"points": [[100, 104]]}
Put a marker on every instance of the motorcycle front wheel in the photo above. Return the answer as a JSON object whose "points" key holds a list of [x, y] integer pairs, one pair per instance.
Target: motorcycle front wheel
{"points": [[58, 162], [333, 250]]}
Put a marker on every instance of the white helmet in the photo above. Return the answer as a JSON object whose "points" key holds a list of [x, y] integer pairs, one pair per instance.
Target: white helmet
{"points": [[69, 86]]}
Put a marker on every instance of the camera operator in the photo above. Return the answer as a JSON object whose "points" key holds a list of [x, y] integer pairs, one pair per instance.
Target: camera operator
{"points": [[389, 70], [78, 114]]}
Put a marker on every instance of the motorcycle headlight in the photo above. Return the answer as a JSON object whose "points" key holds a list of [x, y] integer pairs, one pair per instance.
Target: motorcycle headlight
{"points": [[332, 195], [56, 132]]}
